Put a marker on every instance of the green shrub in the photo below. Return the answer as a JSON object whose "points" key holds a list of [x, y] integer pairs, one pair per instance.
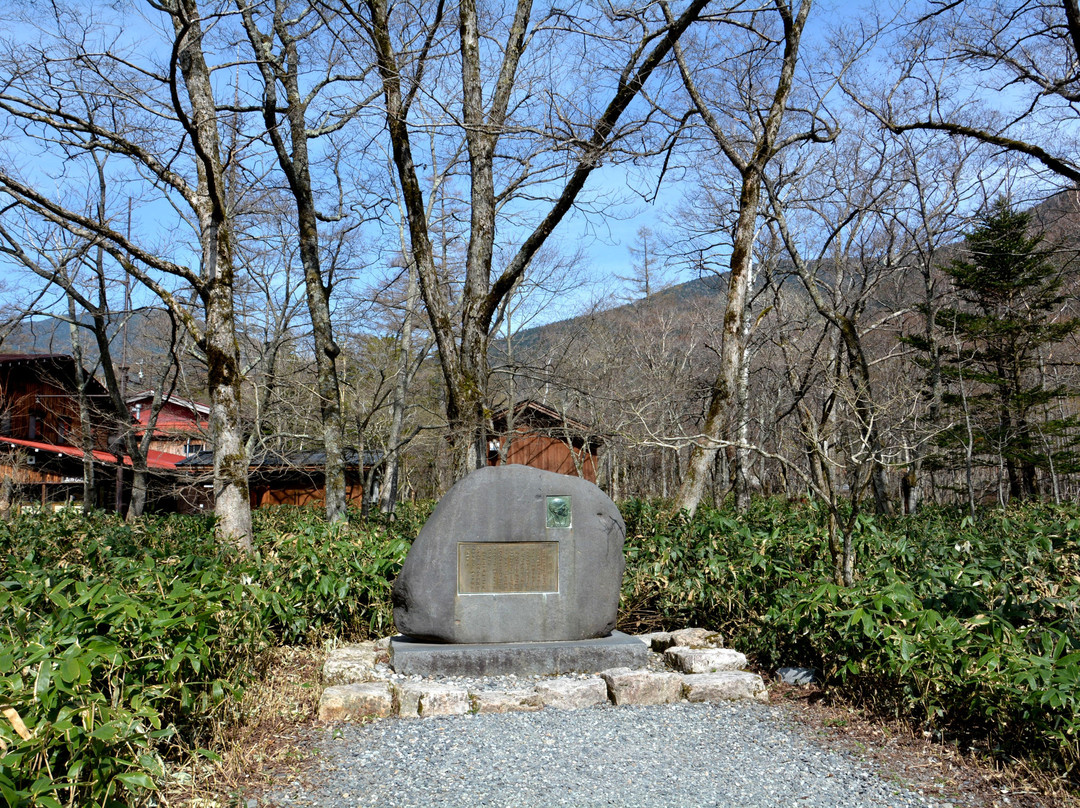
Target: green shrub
{"points": [[121, 645], [966, 627], [328, 580]]}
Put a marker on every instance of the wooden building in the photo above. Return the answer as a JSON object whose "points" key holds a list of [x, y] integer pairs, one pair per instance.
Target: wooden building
{"points": [[41, 434], [297, 478], [536, 435], [40, 450], [182, 426], [39, 401]]}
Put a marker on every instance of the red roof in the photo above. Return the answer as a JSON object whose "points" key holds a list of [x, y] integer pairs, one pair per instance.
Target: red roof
{"points": [[154, 460]]}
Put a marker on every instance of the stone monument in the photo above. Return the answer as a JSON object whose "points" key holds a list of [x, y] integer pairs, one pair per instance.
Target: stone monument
{"points": [[517, 570]]}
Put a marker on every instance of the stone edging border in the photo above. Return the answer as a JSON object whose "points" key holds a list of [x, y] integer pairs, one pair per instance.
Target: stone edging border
{"points": [[361, 684]]}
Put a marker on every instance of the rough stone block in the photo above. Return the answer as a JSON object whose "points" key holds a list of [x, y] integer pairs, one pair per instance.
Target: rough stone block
{"points": [[626, 686], [724, 686], [427, 699], [696, 638], [342, 702], [505, 701], [704, 660], [408, 699], [349, 664], [656, 640], [514, 554], [573, 694], [414, 658]]}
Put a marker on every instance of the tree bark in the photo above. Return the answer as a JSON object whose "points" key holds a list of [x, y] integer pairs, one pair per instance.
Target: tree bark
{"points": [[7, 491], [296, 166], [742, 413], [86, 433], [732, 350], [751, 168], [392, 468], [463, 345], [866, 412], [232, 505]]}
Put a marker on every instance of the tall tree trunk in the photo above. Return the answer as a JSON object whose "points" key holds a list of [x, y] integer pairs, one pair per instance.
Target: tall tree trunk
{"points": [[1029, 481], [909, 486], [751, 170], [866, 412], [466, 404], [116, 385], [326, 352], [232, 504], [742, 414], [401, 390], [663, 472], [969, 448], [7, 491], [163, 390], [86, 432], [613, 469], [140, 479], [1005, 428], [933, 382], [725, 387], [231, 499], [858, 369], [295, 164]]}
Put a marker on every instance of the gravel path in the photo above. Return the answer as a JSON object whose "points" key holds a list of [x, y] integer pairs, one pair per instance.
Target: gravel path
{"points": [[737, 755]]}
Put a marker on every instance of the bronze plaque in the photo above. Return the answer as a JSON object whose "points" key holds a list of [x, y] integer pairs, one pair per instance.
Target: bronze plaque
{"points": [[508, 567]]}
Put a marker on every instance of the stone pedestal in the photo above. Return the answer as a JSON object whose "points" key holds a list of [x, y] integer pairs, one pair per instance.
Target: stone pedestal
{"points": [[412, 657]]}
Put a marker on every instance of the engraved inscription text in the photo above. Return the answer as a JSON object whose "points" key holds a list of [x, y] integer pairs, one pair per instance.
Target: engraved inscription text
{"points": [[508, 567]]}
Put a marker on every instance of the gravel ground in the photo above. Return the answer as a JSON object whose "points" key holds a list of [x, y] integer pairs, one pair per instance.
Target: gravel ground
{"points": [[740, 755]]}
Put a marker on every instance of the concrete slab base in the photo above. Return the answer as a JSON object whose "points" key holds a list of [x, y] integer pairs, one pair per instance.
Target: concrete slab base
{"points": [[412, 657]]}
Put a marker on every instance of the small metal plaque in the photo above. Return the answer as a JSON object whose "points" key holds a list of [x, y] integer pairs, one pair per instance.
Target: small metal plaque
{"points": [[559, 512], [508, 567]]}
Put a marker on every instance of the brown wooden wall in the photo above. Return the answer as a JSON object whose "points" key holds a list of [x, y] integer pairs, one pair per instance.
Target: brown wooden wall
{"points": [[549, 454], [176, 446], [35, 407], [265, 496], [21, 474]]}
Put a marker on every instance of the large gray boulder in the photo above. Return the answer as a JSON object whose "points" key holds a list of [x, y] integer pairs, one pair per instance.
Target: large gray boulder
{"points": [[514, 554]]}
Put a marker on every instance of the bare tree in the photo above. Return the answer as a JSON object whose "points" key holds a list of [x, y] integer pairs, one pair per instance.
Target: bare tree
{"points": [[856, 249], [1004, 74], [76, 91], [409, 361], [66, 266], [755, 86], [553, 148], [941, 189], [647, 274], [56, 269], [285, 38]]}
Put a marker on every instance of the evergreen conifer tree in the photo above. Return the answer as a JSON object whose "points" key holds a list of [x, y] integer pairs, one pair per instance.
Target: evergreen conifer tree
{"points": [[1007, 314]]}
